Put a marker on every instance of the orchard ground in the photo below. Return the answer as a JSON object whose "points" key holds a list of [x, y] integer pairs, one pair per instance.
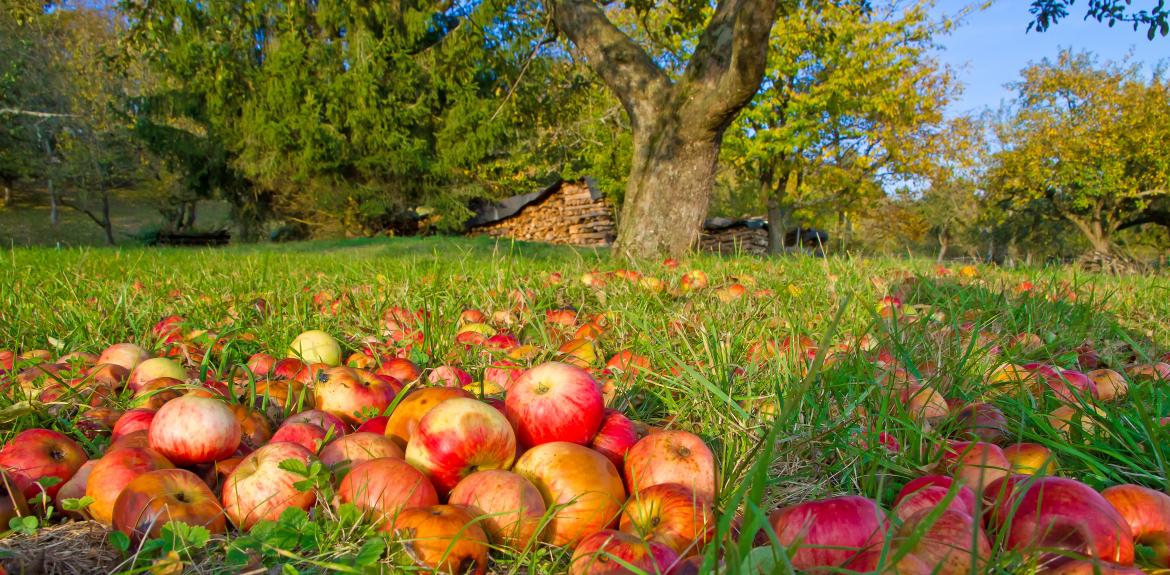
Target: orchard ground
{"points": [[787, 423]]}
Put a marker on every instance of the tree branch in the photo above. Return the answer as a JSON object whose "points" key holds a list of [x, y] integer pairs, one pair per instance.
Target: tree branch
{"points": [[623, 65], [1158, 217], [33, 113], [729, 62], [83, 210]]}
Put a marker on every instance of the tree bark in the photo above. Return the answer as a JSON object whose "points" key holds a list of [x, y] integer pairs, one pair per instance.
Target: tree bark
{"points": [[1095, 232], [942, 247], [677, 126], [107, 224], [53, 216]]}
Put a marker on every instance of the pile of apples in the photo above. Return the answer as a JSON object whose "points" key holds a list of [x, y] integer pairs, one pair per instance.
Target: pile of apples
{"points": [[448, 474]]}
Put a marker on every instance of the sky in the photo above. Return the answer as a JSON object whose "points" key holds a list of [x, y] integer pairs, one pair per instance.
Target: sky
{"points": [[990, 47]]}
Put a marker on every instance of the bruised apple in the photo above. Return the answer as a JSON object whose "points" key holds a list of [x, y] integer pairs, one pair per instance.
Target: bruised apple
{"points": [[258, 488], [113, 472], [582, 483], [158, 497], [672, 456], [343, 453], [443, 538], [458, 437]]}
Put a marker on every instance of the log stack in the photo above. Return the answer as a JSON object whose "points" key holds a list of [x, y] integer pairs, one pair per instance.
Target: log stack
{"points": [[728, 237], [572, 214]]}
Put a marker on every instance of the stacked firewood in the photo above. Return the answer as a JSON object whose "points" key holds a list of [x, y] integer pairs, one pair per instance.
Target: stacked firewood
{"points": [[568, 216], [736, 239]]}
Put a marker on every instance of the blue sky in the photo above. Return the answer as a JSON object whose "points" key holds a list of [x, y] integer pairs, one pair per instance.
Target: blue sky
{"points": [[991, 46]]}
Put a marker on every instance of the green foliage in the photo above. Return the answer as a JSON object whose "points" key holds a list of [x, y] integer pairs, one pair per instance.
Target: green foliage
{"points": [[1048, 13], [1085, 143]]}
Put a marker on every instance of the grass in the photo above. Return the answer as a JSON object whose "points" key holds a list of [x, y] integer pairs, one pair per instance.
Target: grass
{"points": [[786, 427]]}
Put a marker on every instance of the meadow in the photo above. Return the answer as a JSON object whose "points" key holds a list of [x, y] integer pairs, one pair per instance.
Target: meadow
{"points": [[793, 371]]}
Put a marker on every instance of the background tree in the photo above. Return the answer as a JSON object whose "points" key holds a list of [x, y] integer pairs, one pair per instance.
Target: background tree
{"points": [[1087, 144], [850, 100], [1156, 19]]}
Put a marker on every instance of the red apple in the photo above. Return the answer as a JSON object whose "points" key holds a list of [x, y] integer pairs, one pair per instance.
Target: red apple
{"points": [[158, 497], [1045, 514], [261, 364], [401, 369], [289, 368], [511, 507], [156, 392], [374, 425], [125, 355], [984, 421], [302, 433], [615, 437], [581, 483], [1091, 567], [343, 453], [502, 373], [7, 360], [193, 429], [113, 472], [1110, 384], [975, 463], [155, 368], [829, 532], [137, 419], [384, 487], [672, 456], [928, 492], [670, 514], [74, 488], [404, 420], [1148, 514], [458, 437], [609, 552], [952, 541], [323, 419], [341, 392], [442, 538], [255, 429], [39, 454], [259, 489], [555, 402]]}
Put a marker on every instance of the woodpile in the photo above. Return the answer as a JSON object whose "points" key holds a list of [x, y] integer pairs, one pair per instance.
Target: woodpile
{"points": [[571, 214], [735, 240]]}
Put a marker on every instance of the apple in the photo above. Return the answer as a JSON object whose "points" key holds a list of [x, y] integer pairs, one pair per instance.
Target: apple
{"points": [[555, 402], [155, 368], [108, 375], [1158, 371], [216, 474], [7, 360], [1030, 459], [323, 419], [290, 368], [1069, 386], [156, 392], [404, 420], [343, 393], [952, 541], [193, 429], [344, 452], [671, 514], [511, 507], [609, 552], [1047, 514], [1148, 514], [401, 369], [871, 561], [39, 454], [158, 497], [502, 373], [315, 346], [984, 421], [458, 437], [627, 361], [694, 280], [442, 538], [615, 437], [131, 420], [578, 352], [922, 402], [255, 428], [374, 425], [928, 492], [501, 341], [1110, 384], [12, 501], [469, 316], [1066, 418], [449, 376], [829, 532], [97, 421], [117, 468], [259, 489], [125, 355], [305, 434], [563, 317], [384, 487], [140, 438], [72, 489], [672, 456], [582, 484], [976, 463], [261, 364]]}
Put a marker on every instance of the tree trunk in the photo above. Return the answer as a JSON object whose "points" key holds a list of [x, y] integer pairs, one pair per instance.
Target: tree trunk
{"points": [[107, 224], [53, 216], [1097, 234], [942, 247], [668, 191], [189, 223]]}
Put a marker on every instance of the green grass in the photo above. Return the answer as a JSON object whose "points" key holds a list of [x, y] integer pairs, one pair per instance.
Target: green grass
{"points": [[783, 430]]}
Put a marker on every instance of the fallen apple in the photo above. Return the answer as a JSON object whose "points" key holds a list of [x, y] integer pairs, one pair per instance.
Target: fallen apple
{"points": [[511, 507], [582, 486], [555, 402], [442, 538], [410, 409], [36, 455], [193, 429], [260, 489], [829, 532], [158, 497], [385, 486], [116, 469], [609, 552], [1148, 514], [458, 437], [315, 346], [672, 456], [671, 514]]}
